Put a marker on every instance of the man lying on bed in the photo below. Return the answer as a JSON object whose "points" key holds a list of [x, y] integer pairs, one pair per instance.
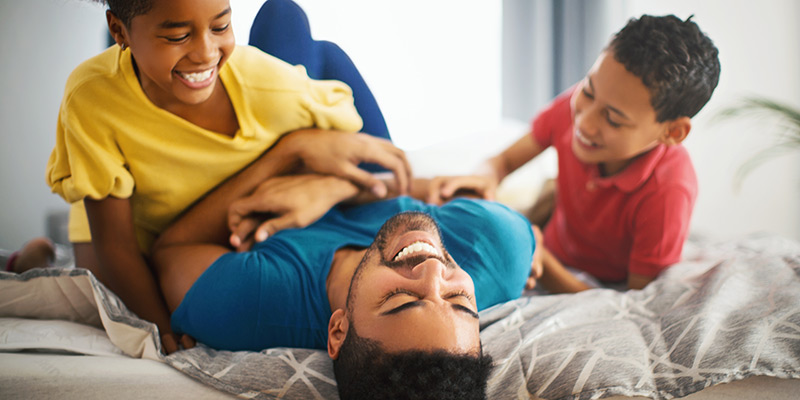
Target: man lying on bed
{"points": [[414, 303]]}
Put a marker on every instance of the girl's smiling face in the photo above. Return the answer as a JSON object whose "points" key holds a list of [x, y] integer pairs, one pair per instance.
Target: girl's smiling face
{"points": [[179, 47]]}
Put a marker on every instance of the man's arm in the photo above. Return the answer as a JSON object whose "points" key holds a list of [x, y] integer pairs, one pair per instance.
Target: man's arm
{"points": [[198, 237], [202, 234]]}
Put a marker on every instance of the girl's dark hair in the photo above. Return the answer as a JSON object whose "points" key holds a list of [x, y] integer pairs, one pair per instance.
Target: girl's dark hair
{"points": [[676, 61], [125, 10]]}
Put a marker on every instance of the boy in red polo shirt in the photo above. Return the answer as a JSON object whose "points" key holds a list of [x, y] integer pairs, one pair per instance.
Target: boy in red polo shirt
{"points": [[626, 186]]}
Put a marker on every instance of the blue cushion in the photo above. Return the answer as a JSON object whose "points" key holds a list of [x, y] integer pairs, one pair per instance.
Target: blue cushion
{"points": [[281, 28]]}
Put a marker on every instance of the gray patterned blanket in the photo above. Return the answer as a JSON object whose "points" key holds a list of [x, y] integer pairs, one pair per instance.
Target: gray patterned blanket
{"points": [[730, 311]]}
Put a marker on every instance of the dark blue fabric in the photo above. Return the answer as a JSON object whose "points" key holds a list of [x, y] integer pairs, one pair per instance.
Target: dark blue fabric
{"points": [[281, 28], [275, 295]]}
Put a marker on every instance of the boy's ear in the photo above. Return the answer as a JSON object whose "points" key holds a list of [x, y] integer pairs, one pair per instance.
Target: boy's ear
{"points": [[677, 130], [117, 29], [337, 331]]}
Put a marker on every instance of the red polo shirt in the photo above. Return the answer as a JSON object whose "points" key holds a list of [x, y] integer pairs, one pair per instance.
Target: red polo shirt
{"points": [[634, 221]]}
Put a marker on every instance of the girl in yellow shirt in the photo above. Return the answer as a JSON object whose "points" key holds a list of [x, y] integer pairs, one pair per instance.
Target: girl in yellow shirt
{"points": [[149, 126]]}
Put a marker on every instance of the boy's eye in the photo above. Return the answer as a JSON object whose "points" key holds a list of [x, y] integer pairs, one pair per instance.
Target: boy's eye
{"points": [[612, 123], [222, 28], [587, 94]]}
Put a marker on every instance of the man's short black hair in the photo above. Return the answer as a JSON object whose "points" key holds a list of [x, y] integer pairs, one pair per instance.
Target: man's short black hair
{"points": [[676, 61], [364, 371]]}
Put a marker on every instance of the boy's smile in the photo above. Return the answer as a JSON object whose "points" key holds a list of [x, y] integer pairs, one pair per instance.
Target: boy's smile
{"points": [[613, 119], [179, 47]]}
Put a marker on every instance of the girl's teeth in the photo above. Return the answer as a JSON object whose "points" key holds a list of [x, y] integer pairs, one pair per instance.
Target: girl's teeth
{"points": [[416, 247], [195, 77]]}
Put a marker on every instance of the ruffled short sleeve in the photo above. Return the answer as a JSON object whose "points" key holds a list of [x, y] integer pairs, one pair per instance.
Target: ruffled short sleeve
{"points": [[331, 106], [86, 161]]}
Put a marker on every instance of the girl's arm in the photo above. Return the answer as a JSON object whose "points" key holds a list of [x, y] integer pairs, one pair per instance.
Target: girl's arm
{"points": [[188, 247], [124, 268]]}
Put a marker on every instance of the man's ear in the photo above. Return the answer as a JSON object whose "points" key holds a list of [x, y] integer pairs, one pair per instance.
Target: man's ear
{"points": [[677, 130], [337, 331], [117, 29]]}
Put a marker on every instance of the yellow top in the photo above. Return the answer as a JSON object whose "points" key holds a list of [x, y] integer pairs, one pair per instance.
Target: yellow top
{"points": [[111, 140]]}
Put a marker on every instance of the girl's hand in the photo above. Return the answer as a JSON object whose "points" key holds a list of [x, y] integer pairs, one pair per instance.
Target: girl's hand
{"points": [[339, 153], [444, 188], [292, 201]]}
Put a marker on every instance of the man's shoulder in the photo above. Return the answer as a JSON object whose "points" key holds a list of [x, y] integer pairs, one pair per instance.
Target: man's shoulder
{"points": [[484, 218]]}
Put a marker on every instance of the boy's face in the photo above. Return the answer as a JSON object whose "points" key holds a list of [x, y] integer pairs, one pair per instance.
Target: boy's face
{"points": [[179, 47], [613, 118]]}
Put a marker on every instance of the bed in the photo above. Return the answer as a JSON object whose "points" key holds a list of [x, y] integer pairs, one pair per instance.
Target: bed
{"points": [[724, 323]]}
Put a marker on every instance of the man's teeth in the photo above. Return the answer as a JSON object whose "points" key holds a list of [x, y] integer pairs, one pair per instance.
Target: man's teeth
{"points": [[415, 248], [195, 77]]}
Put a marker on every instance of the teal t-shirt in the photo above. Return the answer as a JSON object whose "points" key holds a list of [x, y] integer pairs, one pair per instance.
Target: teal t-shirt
{"points": [[275, 296]]}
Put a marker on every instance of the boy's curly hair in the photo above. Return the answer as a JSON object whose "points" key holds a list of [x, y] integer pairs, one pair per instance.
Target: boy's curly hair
{"points": [[676, 61], [364, 370], [125, 10]]}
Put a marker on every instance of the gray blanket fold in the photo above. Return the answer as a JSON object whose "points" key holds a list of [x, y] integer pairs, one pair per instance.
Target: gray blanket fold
{"points": [[731, 311]]}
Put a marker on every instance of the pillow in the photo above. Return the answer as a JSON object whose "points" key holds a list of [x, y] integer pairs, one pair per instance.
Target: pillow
{"points": [[281, 29]]}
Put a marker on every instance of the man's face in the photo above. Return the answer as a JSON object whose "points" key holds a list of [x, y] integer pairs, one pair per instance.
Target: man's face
{"points": [[408, 293]]}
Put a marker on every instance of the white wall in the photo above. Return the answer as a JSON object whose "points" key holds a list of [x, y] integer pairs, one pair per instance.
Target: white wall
{"points": [[41, 42], [434, 73], [435, 69]]}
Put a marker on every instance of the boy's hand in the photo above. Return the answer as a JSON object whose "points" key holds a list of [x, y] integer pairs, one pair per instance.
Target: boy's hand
{"points": [[292, 201], [339, 153], [537, 265], [444, 188]]}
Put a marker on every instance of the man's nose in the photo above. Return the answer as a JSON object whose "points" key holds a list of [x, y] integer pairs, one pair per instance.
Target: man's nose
{"points": [[433, 275]]}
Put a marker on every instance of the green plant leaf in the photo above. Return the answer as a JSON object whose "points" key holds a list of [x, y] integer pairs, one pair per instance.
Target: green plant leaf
{"points": [[787, 119]]}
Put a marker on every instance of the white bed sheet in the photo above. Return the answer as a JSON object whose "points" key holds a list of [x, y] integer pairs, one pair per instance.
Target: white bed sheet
{"points": [[69, 376], [45, 370]]}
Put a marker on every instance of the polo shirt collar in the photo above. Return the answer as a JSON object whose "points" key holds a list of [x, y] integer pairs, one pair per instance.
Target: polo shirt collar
{"points": [[635, 174]]}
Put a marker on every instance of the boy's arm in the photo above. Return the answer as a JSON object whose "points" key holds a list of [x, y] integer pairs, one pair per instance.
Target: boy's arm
{"points": [[485, 180], [123, 266], [636, 281], [557, 279]]}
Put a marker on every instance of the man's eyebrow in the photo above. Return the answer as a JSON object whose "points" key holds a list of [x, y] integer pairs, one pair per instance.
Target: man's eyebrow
{"points": [[412, 304], [182, 24], [614, 109]]}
